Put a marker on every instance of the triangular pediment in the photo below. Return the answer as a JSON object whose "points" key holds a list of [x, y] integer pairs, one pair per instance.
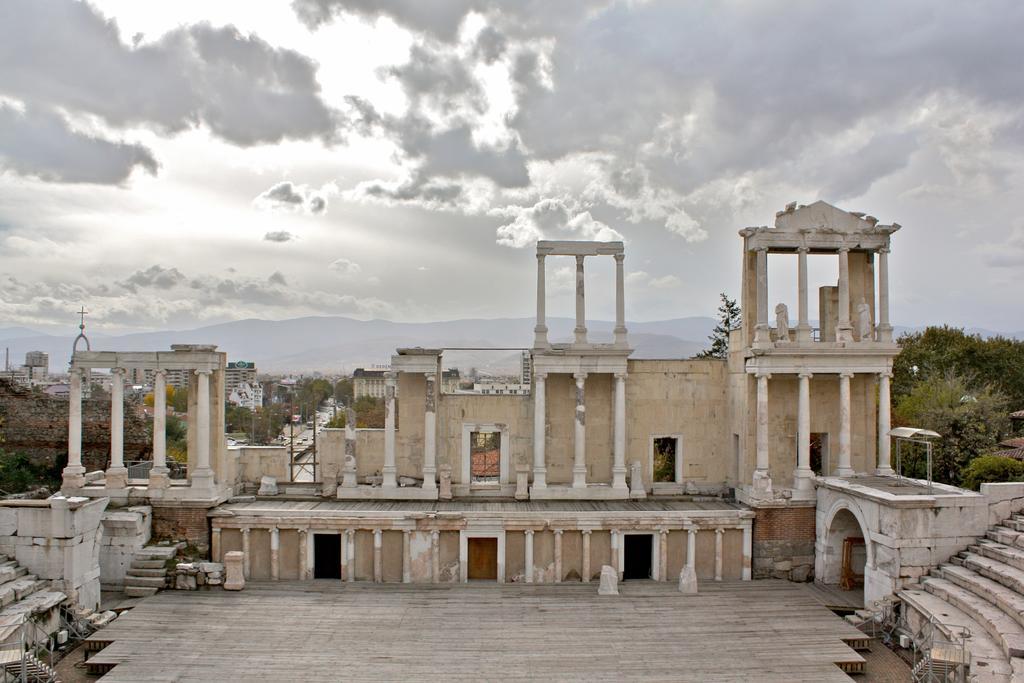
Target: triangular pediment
{"points": [[822, 216]]}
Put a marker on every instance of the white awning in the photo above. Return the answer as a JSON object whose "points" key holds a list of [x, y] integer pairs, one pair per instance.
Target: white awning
{"points": [[913, 432]]}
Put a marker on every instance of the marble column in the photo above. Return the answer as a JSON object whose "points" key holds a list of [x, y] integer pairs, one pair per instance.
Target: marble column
{"points": [[691, 548], [748, 551], [117, 473], [762, 479], [540, 332], [619, 445], [663, 554], [203, 475], [558, 555], [528, 551], [719, 534], [616, 542], [579, 460], [435, 557], [378, 552], [343, 569], [620, 301], [803, 475], [585, 572], [350, 575], [247, 554], [74, 473], [406, 559], [845, 468], [388, 470], [581, 315], [540, 470], [158, 478], [275, 554], [304, 543], [803, 327], [215, 553], [884, 424], [762, 332], [844, 330], [884, 328], [430, 434]]}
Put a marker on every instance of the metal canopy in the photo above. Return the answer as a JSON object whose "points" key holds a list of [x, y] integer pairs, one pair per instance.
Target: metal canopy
{"points": [[913, 433]]}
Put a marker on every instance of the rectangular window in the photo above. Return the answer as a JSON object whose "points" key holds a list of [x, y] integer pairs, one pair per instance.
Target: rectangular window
{"points": [[819, 453], [665, 455], [485, 457]]}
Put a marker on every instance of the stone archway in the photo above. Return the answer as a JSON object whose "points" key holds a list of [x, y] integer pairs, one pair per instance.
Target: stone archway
{"points": [[844, 520]]}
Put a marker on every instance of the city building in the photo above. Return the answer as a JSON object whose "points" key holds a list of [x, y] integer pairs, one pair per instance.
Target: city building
{"points": [[368, 382]]}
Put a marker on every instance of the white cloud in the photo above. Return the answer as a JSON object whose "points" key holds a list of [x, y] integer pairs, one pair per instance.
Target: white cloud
{"points": [[345, 268], [665, 282]]}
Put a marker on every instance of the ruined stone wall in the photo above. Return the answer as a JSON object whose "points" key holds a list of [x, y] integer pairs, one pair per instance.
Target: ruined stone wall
{"points": [[784, 542], [180, 523], [36, 424], [515, 412]]}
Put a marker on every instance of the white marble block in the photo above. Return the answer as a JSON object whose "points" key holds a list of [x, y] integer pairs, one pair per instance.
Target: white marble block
{"points": [[268, 486], [609, 581], [688, 581], [234, 578]]}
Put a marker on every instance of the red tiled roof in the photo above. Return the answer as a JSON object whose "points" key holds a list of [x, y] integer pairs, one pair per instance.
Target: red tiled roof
{"points": [[1015, 453], [1015, 442], [1019, 415]]}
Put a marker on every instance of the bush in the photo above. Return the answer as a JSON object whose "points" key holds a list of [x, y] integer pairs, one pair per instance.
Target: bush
{"points": [[992, 468]]}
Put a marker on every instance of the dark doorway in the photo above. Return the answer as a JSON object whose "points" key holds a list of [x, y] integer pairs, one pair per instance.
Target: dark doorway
{"points": [[637, 557], [483, 559], [326, 556]]}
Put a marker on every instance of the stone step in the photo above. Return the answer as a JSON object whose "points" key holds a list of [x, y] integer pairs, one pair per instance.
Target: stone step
{"points": [[1000, 572], [148, 581], [147, 572], [149, 564], [988, 662], [155, 552], [36, 603], [997, 623], [140, 591], [999, 551], [1005, 535], [1016, 523], [19, 589], [1009, 601], [9, 571]]}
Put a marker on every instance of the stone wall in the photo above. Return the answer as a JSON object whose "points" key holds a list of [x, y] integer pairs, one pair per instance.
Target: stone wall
{"points": [[36, 424], [783, 542], [125, 530], [182, 523]]}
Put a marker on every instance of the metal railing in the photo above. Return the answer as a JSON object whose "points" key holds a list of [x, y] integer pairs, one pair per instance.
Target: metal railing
{"points": [[303, 465], [940, 657], [30, 657], [140, 469]]}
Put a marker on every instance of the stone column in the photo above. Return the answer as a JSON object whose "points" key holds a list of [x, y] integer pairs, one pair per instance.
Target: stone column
{"points": [[691, 548], [558, 555], [663, 554], [247, 560], [803, 327], [351, 573], [430, 434], [117, 473], [579, 460], [748, 551], [74, 473], [203, 475], [719, 534], [528, 550], [158, 478], [406, 559], [845, 468], [620, 301], [844, 330], [585, 573], [388, 470], [378, 567], [303, 554], [762, 333], [803, 475], [540, 332], [343, 569], [275, 554], [884, 424], [215, 553], [762, 480], [581, 314], [435, 557], [884, 328], [619, 446], [616, 542], [540, 470]]}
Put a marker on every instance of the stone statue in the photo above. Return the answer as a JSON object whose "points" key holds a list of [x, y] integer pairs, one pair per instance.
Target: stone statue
{"points": [[445, 485], [864, 331], [688, 581], [636, 481], [609, 581], [782, 322]]}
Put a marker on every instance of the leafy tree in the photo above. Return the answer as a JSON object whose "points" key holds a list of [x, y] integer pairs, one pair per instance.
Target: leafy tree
{"points": [[369, 412], [970, 420], [343, 391], [177, 439], [989, 468], [178, 399], [313, 392], [729, 319], [338, 421]]}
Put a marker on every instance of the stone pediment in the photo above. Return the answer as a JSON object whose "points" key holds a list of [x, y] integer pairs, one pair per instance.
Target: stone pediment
{"points": [[823, 217]]}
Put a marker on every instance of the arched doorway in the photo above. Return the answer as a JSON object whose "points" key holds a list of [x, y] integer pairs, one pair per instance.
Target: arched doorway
{"points": [[845, 550]]}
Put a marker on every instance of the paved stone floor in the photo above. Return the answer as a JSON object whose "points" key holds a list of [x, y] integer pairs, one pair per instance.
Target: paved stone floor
{"points": [[318, 630]]}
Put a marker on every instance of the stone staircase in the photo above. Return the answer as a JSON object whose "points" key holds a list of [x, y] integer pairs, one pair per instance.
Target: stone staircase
{"points": [[980, 589], [23, 594], [148, 571]]}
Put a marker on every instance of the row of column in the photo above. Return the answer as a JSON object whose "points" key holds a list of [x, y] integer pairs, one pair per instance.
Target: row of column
{"points": [[844, 328], [579, 466], [117, 473], [844, 467], [580, 330], [429, 432]]}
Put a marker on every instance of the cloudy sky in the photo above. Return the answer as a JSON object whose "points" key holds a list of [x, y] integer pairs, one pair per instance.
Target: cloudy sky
{"points": [[178, 164]]}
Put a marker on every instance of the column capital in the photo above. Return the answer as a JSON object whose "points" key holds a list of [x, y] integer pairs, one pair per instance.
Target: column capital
{"points": [[540, 375], [888, 374], [586, 532], [430, 376], [579, 260], [557, 532], [160, 372], [118, 371], [199, 372], [540, 257], [763, 375], [762, 250], [884, 250], [844, 249], [847, 375], [692, 530], [579, 377], [621, 376], [719, 531], [619, 258], [663, 531], [528, 532], [806, 374], [435, 535], [803, 250]]}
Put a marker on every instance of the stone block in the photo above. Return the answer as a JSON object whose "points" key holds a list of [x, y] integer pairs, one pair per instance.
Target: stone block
{"points": [[210, 567], [609, 581], [8, 521], [268, 486], [234, 579], [688, 581], [801, 573]]}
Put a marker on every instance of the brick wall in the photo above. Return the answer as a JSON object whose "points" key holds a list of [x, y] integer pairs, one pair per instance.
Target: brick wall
{"points": [[36, 424], [176, 523], [784, 543]]}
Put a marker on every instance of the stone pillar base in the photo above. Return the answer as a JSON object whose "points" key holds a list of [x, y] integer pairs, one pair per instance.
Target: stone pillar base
{"points": [[885, 333], [844, 472], [72, 479], [844, 334], [540, 479], [762, 335], [579, 478], [885, 472], [619, 478], [116, 477], [388, 481], [158, 478], [429, 479], [202, 480], [804, 333], [803, 484], [348, 479], [762, 485]]}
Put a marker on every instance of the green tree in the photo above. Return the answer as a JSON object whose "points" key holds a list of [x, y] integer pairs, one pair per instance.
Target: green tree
{"points": [[343, 391], [971, 421], [369, 412], [337, 421], [178, 399], [989, 468], [729, 319]]}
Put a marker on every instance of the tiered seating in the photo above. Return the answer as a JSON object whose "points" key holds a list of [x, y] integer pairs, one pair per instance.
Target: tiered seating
{"points": [[148, 571]]}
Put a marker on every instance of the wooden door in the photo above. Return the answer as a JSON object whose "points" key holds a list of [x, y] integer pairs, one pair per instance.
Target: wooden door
{"points": [[483, 559]]}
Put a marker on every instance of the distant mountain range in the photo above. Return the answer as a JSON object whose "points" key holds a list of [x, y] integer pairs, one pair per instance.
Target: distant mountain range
{"points": [[331, 344]]}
